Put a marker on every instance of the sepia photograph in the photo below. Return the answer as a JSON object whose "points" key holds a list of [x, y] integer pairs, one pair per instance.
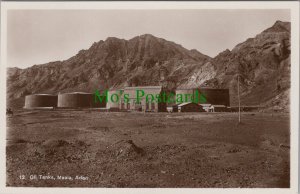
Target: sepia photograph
{"points": [[128, 95]]}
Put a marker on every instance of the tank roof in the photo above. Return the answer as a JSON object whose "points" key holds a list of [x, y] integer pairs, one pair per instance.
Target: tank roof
{"points": [[145, 87], [42, 95], [201, 88], [77, 93]]}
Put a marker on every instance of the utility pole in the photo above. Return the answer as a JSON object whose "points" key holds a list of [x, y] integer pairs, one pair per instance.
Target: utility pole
{"points": [[239, 98]]}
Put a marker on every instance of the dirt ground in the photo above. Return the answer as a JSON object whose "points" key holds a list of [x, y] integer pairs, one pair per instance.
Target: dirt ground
{"points": [[97, 149]]}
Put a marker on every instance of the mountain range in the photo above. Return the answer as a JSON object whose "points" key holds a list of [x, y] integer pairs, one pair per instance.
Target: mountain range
{"points": [[262, 64]]}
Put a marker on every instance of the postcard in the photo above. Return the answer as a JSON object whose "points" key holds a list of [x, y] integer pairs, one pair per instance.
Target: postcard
{"points": [[149, 97]]}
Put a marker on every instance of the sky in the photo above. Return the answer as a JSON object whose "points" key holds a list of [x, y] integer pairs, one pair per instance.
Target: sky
{"points": [[41, 36]]}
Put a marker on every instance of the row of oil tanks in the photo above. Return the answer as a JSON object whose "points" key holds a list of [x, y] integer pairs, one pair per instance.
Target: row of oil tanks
{"points": [[67, 100], [87, 100]]}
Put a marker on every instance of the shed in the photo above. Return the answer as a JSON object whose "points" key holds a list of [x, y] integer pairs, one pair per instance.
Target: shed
{"points": [[218, 108], [169, 109], [188, 107], [114, 98], [206, 107]]}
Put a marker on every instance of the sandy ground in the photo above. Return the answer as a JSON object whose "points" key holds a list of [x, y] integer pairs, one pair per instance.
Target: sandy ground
{"points": [[98, 149]]}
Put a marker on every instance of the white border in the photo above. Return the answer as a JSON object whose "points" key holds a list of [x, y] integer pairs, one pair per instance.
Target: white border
{"points": [[292, 6]]}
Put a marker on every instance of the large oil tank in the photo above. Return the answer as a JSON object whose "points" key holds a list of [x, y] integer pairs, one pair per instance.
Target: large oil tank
{"points": [[40, 101], [215, 96], [186, 95], [78, 100]]}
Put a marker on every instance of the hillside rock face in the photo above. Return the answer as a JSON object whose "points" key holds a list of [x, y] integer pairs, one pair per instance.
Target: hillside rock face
{"points": [[263, 64], [143, 60]]}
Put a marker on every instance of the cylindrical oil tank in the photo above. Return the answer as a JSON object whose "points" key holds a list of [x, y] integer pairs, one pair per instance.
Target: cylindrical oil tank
{"points": [[78, 100], [215, 96], [40, 101], [186, 95]]}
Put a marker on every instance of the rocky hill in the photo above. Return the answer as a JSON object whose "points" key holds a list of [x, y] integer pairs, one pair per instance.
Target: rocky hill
{"points": [[143, 60], [263, 63]]}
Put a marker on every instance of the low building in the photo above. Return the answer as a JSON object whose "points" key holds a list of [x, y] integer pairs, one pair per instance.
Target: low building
{"points": [[40, 101], [218, 108], [188, 107], [170, 109], [206, 107], [114, 99]]}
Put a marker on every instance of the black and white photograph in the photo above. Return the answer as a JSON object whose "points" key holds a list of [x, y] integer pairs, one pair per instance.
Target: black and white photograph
{"points": [[161, 95]]}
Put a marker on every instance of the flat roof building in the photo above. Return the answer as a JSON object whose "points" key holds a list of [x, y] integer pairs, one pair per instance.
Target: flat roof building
{"points": [[142, 98], [114, 98]]}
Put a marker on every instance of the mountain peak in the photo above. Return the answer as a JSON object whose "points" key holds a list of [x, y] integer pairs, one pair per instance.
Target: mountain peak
{"points": [[279, 26], [147, 35], [262, 61], [108, 39]]}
